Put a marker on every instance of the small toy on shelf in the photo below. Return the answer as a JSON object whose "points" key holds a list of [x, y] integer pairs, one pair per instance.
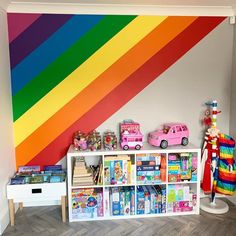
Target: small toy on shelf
{"points": [[94, 141], [109, 140], [130, 135], [80, 142], [170, 134]]}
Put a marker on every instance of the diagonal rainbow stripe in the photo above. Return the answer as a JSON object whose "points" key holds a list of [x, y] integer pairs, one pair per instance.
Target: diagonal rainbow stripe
{"points": [[106, 82], [136, 82], [53, 47], [84, 75], [22, 46], [17, 23], [60, 68], [111, 61]]}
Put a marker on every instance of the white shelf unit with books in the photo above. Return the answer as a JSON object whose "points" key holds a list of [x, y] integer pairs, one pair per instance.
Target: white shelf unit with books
{"points": [[134, 183]]}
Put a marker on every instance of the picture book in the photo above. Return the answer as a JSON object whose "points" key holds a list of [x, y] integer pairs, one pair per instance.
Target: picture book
{"points": [[53, 167], [25, 169]]}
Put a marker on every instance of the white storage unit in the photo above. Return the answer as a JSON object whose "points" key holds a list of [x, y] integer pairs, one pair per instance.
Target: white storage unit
{"points": [[105, 188], [44, 192]]}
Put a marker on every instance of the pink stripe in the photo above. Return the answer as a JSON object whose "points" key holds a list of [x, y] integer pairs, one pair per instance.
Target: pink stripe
{"points": [[18, 22]]}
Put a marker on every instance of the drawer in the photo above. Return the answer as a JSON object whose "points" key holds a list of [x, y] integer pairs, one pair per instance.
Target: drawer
{"points": [[36, 191]]}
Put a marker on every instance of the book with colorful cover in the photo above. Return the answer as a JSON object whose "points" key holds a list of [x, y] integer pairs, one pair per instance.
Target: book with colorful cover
{"points": [[17, 180], [28, 169], [122, 201], [115, 201], [127, 201], [52, 167], [107, 171]]}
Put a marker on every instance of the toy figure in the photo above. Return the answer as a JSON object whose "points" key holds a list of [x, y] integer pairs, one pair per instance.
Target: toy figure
{"points": [[207, 121]]}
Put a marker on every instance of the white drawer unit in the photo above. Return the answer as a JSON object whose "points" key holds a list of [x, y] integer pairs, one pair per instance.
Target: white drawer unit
{"points": [[23, 193]]}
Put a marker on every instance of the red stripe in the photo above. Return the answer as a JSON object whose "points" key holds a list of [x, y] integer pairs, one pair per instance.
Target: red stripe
{"points": [[18, 22], [129, 88]]}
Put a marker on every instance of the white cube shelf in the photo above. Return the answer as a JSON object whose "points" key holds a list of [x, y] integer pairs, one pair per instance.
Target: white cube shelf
{"points": [[194, 185]]}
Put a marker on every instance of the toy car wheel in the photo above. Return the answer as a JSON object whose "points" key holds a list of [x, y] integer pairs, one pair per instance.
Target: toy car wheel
{"points": [[164, 144], [184, 141], [126, 147], [137, 147]]}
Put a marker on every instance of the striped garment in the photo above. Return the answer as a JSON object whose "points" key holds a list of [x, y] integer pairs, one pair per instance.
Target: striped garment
{"points": [[225, 181]]}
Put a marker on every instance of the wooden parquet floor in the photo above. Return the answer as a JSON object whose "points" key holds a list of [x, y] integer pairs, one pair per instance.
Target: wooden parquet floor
{"points": [[43, 221]]}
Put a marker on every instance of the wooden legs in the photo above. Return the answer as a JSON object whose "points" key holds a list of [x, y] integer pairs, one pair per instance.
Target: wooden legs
{"points": [[63, 208], [21, 205], [12, 211]]}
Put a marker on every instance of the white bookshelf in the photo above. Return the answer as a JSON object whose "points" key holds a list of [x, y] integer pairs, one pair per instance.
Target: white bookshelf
{"points": [[147, 149]]}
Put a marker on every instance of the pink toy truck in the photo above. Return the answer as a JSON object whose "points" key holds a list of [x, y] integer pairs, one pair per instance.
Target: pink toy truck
{"points": [[130, 135], [170, 134]]}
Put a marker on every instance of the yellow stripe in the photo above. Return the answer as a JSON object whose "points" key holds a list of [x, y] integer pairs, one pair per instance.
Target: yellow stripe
{"points": [[233, 172], [84, 75], [224, 191], [225, 155]]}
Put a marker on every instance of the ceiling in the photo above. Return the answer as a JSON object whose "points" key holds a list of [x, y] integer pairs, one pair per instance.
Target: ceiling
{"points": [[164, 7]]}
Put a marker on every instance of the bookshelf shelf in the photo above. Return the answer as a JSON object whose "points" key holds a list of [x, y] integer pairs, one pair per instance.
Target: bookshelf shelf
{"points": [[86, 186], [183, 182], [119, 185], [149, 182]]}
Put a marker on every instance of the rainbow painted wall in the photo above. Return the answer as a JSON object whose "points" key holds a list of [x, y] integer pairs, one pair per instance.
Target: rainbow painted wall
{"points": [[73, 72]]}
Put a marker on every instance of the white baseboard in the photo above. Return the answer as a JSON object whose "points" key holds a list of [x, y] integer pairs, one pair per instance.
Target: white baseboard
{"points": [[4, 220]]}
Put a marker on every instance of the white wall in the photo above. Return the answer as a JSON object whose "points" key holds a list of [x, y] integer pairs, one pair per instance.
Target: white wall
{"points": [[233, 92], [7, 159], [179, 94], [233, 102]]}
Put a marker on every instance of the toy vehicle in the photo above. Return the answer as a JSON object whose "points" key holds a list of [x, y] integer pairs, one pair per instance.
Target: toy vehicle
{"points": [[170, 134], [130, 135], [130, 140]]}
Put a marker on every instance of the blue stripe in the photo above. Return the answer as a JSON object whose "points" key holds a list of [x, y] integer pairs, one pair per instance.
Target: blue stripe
{"points": [[51, 49]]}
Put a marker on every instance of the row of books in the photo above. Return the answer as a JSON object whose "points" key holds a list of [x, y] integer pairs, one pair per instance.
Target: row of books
{"points": [[182, 167], [151, 200], [119, 201], [34, 175], [118, 169], [87, 203], [151, 168], [149, 159]]}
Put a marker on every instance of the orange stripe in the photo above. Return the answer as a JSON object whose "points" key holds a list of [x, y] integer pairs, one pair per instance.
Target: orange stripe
{"points": [[98, 89]]}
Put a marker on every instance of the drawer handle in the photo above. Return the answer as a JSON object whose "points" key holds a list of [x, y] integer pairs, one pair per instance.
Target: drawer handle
{"points": [[37, 190]]}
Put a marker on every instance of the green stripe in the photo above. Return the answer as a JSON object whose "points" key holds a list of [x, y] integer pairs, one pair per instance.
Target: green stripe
{"points": [[68, 62]]}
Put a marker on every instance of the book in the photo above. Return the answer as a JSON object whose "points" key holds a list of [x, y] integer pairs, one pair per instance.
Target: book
{"points": [[106, 202], [24, 169], [17, 180], [148, 168], [53, 167], [122, 201], [140, 200], [107, 172], [115, 201], [36, 179], [127, 201]]}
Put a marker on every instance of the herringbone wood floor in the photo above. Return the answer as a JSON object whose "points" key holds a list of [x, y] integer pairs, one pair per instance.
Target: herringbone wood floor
{"points": [[43, 221]]}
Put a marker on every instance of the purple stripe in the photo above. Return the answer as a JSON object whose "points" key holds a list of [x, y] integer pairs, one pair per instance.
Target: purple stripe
{"points": [[32, 37]]}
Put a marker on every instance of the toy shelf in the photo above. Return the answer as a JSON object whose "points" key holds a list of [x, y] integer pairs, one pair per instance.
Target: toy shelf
{"points": [[149, 182]]}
